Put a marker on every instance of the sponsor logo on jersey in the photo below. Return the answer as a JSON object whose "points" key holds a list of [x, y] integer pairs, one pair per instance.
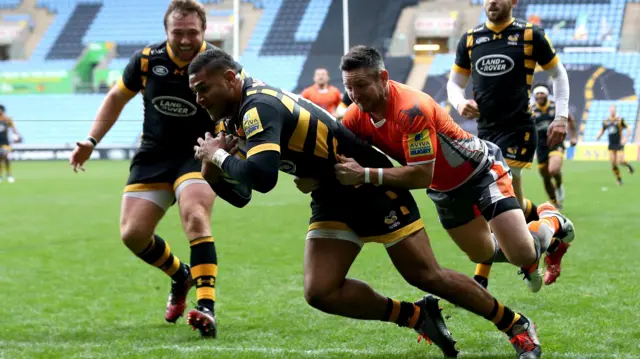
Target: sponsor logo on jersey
{"points": [[482, 40], [174, 106], [251, 123], [160, 70], [420, 144], [157, 52], [287, 167], [494, 65], [513, 39]]}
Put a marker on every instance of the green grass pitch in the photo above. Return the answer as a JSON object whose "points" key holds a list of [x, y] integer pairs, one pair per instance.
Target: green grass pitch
{"points": [[70, 289]]}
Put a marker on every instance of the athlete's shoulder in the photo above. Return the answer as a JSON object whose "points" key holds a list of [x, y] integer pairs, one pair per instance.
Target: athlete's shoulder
{"points": [[520, 24], [258, 93], [155, 50]]}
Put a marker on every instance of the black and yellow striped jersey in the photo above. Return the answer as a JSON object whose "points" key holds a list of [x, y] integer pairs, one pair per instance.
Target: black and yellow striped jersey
{"points": [[501, 62], [173, 120], [543, 116], [614, 127], [307, 137]]}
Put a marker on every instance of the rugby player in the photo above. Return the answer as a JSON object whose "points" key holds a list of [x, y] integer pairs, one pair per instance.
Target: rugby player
{"points": [[321, 93], [287, 133], [501, 56], [164, 169], [6, 124], [616, 128], [550, 159]]}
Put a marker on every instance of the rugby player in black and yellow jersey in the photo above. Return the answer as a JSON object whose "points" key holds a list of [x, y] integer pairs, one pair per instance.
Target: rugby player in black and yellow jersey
{"points": [[7, 125], [284, 132], [164, 169], [501, 56], [615, 126]]}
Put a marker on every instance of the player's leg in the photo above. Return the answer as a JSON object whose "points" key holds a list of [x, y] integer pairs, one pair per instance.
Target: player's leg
{"points": [[555, 172], [549, 187], [414, 259], [613, 157], [3, 153], [551, 219], [622, 161], [195, 199], [7, 165]]}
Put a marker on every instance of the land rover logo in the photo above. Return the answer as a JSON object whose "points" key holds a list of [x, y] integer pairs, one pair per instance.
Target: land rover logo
{"points": [[174, 106], [160, 70], [494, 65], [287, 167]]}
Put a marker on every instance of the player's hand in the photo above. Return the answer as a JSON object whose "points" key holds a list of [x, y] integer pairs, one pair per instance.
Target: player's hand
{"points": [[349, 172], [557, 131], [306, 185], [469, 110], [208, 145], [573, 142], [80, 155]]}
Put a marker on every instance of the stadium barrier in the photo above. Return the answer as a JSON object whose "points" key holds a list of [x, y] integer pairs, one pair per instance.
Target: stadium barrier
{"points": [[50, 153]]}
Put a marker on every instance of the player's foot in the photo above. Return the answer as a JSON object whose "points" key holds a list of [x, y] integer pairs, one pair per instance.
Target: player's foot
{"points": [[556, 204], [630, 169], [553, 263], [177, 302], [10, 179], [619, 182], [560, 195], [533, 277], [524, 338], [484, 282], [566, 233], [203, 319], [434, 329]]}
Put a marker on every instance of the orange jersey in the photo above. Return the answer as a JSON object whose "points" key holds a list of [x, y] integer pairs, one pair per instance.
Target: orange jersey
{"points": [[417, 130], [329, 98]]}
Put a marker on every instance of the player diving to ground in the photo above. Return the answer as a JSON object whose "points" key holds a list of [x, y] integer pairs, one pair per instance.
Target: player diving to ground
{"points": [[550, 158], [7, 125], [288, 133], [501, 55], [616, 128], [164, 170]]}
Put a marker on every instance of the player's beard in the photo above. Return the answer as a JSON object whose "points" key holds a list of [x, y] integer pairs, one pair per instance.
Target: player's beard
{"points": [[499, 15]]}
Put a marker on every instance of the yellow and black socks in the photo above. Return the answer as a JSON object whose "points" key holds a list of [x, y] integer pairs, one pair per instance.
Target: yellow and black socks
{"points": [[616, 172], [482, 274], [530, 211], [204, 270], [404, 314], [158, 254], [503, 317], [626, 164]]}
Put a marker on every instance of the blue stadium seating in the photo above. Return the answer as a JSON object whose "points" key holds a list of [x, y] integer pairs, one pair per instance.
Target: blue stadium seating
{"points": [[9, 4], [71, 120]]}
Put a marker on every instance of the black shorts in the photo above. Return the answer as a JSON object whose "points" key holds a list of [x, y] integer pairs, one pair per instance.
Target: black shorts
{"points": [[364, 214], [489, 193], [518, 146], [543, 152], [616, 147], [151, 171]]}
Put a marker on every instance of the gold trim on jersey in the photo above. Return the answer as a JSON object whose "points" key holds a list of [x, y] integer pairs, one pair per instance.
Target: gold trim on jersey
{"points": [[470, 45], [263, 147], [551, 64], [461, 70], [146, 187], [179, 62], [396, 235], [556, 153], [518, 164], [498, 28], [322, 134], [187, 176], [296, 142], [544, 107], [124, 87]]}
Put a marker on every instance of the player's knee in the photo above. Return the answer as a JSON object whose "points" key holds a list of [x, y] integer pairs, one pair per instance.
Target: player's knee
{"points": [[554, 171], [135, 236], [196, 219], [478, 257], [318, 297]]}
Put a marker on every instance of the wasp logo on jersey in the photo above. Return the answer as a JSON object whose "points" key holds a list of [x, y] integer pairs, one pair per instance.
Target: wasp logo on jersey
{"points": [[420, 144], [251, 123], [494, 65]]}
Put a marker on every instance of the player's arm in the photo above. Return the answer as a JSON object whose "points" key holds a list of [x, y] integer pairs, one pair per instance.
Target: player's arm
{"points": [[12, 126], [458, 79], [235, 193], [604, 126], [545, 55], [419, 170], [262, 127], [626, 131], [574, 130]]}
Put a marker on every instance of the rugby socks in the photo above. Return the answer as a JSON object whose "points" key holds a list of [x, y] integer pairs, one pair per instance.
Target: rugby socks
{"points": [[558, 179], [204, 270], [482, 274], [616, 172], [530, 211], [158, 254], [550, 189], [503, 317], [626, 164], [404, 314]]}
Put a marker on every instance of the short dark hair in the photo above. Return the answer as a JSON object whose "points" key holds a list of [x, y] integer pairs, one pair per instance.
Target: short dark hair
{"points": [[361, 57], [2, 108], [186, 7], [212, 60]]}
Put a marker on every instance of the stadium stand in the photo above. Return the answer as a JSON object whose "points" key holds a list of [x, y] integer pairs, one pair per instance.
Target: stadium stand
{"points": [[9, 4]]}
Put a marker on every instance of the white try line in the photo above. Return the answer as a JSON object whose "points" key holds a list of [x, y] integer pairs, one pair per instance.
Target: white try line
{"points": [[189, 348]]}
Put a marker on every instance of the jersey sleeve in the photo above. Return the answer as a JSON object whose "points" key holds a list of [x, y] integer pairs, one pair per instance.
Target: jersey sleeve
{"points": [[604, 125], [351, 119], [623, 124], [262, 125], [543, 51], [131, 80], [419, 139], [462, 63]]}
